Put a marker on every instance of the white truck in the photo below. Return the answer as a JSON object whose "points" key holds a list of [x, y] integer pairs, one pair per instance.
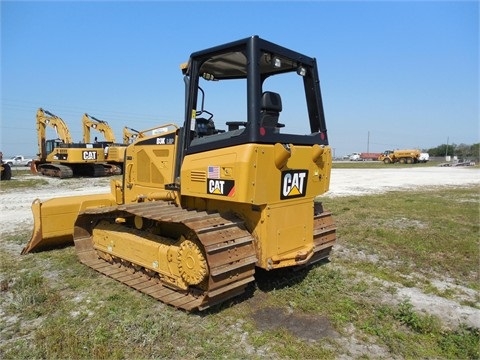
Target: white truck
{"points": [[355, 157], [19, 160], [424, 157]]}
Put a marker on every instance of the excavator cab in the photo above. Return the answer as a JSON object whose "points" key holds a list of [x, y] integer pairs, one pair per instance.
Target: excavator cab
{"points": [[52, 144]]}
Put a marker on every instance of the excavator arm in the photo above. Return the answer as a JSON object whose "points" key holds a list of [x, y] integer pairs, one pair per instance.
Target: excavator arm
{"points": [[44, 119], [90, 122], [130, 135]]}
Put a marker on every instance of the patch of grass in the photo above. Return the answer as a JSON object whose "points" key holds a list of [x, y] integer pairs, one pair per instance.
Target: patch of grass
{"points": [[20, 237], [62, 309], [426, 337], [116, 322], [422, 231], [21, 182], [20, 171], [32, 295], [54, 307], [423, 324], [462, 343]]}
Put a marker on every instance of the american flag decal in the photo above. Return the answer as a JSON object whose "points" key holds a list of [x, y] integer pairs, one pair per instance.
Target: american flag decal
{"points": [[214, 172]]}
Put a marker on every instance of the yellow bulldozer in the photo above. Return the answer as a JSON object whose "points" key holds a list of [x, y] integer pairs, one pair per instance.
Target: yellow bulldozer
{"points": [[63, 158], [201, 208]]}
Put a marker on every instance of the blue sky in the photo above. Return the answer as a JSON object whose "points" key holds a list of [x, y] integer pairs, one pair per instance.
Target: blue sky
{"points": [[393, 74]]}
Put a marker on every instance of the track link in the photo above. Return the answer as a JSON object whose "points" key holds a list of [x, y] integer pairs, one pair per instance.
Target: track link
{"points": [[56, 170], [111, 169], [88, 170], [228, 246], [324, 233]]}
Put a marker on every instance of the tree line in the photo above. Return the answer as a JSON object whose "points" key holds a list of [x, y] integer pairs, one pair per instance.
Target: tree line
{"points": [[462, 151]]}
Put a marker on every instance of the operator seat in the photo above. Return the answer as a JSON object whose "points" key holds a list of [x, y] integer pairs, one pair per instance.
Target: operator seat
{"points": [[205, 127], [270, 108]]}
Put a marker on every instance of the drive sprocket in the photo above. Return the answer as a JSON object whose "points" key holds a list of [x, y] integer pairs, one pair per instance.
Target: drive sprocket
{"points": [[192, 264]]}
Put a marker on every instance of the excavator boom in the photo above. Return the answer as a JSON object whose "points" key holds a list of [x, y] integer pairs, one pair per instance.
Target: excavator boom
{"points": [[47, 119], [90, 122], [130, 135]]}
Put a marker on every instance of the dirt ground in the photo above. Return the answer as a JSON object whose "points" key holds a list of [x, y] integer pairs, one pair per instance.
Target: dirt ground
{"points": [[346, 182], [15, 211]]}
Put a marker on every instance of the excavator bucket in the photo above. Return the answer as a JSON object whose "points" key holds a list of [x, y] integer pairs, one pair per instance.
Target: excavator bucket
{"points": [[33, 167], [54, 220]]}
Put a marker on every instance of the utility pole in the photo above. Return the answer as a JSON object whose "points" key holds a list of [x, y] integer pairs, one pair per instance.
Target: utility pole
{"points": [[368, 142]]}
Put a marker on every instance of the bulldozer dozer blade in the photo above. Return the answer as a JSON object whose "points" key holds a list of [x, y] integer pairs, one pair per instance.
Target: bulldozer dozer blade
{"points": [[54, 220]]}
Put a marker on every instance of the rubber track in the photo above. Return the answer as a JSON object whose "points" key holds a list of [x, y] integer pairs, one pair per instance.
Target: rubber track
{"points": [[228, 246]]}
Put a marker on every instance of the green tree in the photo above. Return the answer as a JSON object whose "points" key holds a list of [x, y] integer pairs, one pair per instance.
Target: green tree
{"points": [[462, 151], [442, 150]]}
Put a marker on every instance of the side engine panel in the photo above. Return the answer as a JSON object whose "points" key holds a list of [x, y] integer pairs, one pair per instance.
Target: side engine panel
{"points": [[271, 187]]}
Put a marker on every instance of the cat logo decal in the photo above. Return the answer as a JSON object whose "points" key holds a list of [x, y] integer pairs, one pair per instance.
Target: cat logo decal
{"points": [[221, 187], [294, 184]]}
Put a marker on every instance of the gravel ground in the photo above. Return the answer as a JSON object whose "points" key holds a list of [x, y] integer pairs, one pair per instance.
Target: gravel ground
{"points": [[346, 182]]}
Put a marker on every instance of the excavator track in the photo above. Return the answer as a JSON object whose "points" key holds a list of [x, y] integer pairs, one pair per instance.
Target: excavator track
{"points": [[228, 247], [55, 170], [94, 170], [88, 170], [111, 169]]}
